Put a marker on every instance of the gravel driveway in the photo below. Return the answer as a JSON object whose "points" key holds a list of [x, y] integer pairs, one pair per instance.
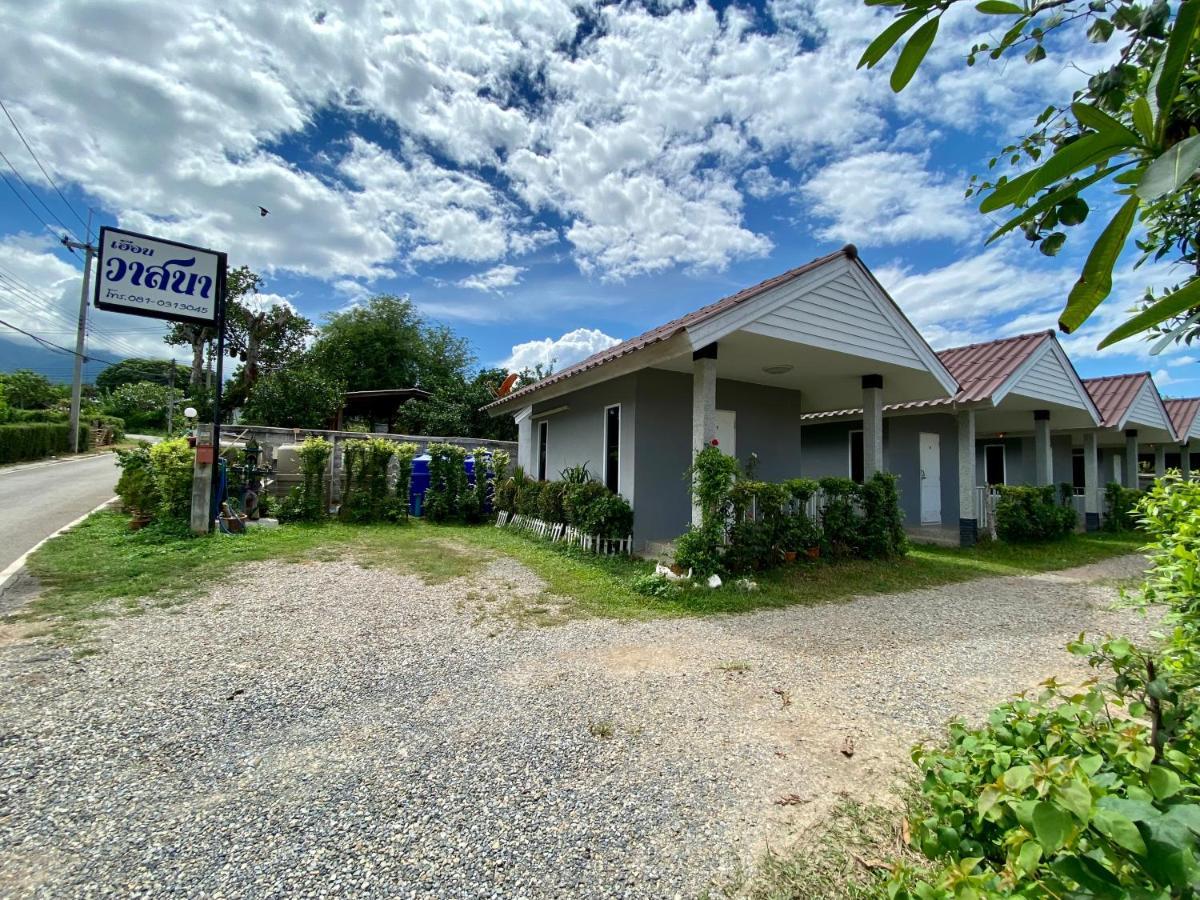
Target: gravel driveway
{"points": [[323, 729]]}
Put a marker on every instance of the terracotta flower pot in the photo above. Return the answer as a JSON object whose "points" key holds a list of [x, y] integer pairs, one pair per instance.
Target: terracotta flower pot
{"points": [[813, 552], [789, 555], [138, 522]]}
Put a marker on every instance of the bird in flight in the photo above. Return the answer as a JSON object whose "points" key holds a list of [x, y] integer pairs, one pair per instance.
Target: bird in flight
{"points": [[262, 210]]}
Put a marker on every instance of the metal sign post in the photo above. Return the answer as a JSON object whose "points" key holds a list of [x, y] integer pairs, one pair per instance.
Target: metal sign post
{"points": [[140, 275]]}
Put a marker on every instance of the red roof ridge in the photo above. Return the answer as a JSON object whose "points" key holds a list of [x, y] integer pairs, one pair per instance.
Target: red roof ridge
{"points": [[1046, 332], [1114, 377], [671, 328]]}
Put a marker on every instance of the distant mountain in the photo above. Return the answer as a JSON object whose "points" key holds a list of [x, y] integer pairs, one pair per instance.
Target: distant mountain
{"points": [[25, 354]]}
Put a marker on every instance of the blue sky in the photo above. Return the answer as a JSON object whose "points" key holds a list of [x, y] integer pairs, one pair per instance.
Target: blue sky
{"points": [[542, 177]]}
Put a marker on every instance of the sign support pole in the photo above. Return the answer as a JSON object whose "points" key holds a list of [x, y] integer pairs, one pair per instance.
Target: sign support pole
{"points": [[216, 432]]}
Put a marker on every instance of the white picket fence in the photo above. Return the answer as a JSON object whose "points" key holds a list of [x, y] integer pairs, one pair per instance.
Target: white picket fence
{"points": [[559, 532]]}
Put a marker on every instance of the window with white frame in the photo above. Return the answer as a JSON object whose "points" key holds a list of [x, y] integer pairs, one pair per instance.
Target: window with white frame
{"points": [[612, 448], [543, 439], [857, 464]]}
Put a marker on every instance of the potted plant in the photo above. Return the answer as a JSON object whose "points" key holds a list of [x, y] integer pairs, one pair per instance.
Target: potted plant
{"points": [[800, 534]]}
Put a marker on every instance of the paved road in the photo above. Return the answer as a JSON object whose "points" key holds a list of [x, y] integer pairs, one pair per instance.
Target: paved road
{"points": [[38, 499]]}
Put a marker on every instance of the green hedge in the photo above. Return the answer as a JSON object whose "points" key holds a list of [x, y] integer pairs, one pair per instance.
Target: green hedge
{"points": [[36, 440]]}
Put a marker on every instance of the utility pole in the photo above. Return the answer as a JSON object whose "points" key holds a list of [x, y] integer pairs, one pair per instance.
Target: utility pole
{"points": [[171, 399], [80, 334]]}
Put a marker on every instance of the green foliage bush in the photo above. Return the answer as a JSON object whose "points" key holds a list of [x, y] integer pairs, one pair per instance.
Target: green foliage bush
{"points": [[839, 519], [1086, 793], [136, 487], [171, 467], [20, 416], [1030, 514], [1120, 507], [368, 496], [530, 497], [447, 482], [37, 440], [306, 501], [699, 550], [882, 521], [142, 403], [550, 501]]}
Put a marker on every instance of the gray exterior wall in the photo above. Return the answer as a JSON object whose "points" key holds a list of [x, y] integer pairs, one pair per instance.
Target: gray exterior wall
{"points": [[827, 453], [576, 434], [765, 424]]}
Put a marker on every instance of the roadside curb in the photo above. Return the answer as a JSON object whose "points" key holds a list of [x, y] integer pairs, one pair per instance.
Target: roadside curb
{"points": [[13, 570]]}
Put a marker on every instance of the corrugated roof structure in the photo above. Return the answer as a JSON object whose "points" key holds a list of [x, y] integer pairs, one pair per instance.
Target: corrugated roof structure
{"points": [[981, 369], [1183, 414], [1112, 395], [672, 328]]}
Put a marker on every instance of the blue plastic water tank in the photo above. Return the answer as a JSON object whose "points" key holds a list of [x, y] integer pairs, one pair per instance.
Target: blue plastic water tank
{"points": [[419, 484]]}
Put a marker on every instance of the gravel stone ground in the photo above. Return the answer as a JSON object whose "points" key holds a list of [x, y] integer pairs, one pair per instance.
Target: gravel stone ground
{"points": [[322, 730]]}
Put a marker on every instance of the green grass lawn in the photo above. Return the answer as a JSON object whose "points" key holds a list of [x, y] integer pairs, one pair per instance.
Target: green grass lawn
{"points": [[101, 569]]}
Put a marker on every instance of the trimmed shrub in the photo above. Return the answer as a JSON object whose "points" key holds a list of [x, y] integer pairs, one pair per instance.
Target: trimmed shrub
{"points": [[529, 498], [698, 550], [136, 487], [550, 502], [447, 482], [36, 440], [306, 501], [171, 466], [505, 497], [883, 523], [1027, 514], [1120, 507], [367, 494], [841, 534]]}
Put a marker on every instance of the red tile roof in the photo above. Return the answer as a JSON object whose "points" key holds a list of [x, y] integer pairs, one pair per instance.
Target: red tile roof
{"points": [[981, 369], [672, 328], [1182, 413], [1112, 395]]}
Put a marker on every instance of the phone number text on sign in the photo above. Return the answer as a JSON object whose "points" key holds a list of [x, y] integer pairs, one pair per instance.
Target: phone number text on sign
{"points": [[183, 285]]}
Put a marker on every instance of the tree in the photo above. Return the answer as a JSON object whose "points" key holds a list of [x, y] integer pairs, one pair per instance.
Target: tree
{"points": [[1132, 132], [296, 396], [142, 403], [26, 389], [386, 344], [129, 371], [239, 282], [454, 410]]}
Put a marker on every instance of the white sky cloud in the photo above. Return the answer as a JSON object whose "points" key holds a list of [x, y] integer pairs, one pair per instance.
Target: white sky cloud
{"points": [[493, 279], [559, 352]]}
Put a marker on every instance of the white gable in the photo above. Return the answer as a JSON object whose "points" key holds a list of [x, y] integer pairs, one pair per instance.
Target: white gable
{"points": [[1147, 409], [1048, 375], [836, 307]]}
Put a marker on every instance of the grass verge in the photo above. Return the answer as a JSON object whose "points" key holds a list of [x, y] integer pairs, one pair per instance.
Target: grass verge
{"points": [[100, 569]]}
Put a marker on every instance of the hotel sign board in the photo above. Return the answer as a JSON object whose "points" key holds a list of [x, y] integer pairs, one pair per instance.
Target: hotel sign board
{"points": [[148, 276]]}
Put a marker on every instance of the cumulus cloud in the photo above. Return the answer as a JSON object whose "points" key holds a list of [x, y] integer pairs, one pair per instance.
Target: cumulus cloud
{"points": [[493, 279], [887, 198], [559, 352]]}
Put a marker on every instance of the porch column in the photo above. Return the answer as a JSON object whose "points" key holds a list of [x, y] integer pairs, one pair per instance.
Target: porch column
{"points": [[872, 389], [968, 515], [1091, 481], [1160, 460], [704, 404], [1043, 458], [1131, 462], [1185, 462]]}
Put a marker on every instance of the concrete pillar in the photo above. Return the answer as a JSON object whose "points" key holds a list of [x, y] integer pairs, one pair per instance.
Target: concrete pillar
{"points": [[1091, 481], [1185, 462], [968, 515], [1160, 460], [202, 480], [704, 404], [1131, 461], [1043, 455], [872, 389]]}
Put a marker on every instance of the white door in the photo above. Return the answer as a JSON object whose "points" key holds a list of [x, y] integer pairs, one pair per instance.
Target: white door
{"points": [[727, 431], [931, 478]]}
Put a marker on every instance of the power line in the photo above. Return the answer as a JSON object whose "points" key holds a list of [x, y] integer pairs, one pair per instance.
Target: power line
{"points": [[43, 169], [17, 194], [53, 214], [53, 346]]}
